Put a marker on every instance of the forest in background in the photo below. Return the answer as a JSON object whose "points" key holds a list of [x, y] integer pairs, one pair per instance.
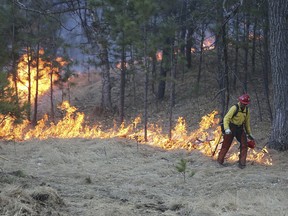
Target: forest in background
{"points": [[239, 44]]}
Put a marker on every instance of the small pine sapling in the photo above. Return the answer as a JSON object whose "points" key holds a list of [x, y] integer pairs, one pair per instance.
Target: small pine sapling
{"points": [[181, 167]]}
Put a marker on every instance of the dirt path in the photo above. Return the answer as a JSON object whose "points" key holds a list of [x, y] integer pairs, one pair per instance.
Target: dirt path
{"points": [[113, 177]]}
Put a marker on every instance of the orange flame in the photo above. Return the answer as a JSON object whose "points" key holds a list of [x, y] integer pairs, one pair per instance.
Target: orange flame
{"points": [[44, 77], [203, 139], [208, 43], [193, 50], [159, 55]]}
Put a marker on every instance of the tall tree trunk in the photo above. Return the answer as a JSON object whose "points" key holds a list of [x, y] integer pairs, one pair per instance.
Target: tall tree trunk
{"points": [[154, 61], [246, 51], [51, 96], [162, 81], [163, 70], [69, 91], [278, 18], [236, 72], [253, 54], [153, 73], [172, 89], [189, 45], [122, 85], [266, 71], [221, 75], [105, 75], [14, 61], [183, 19], [146, 86], [133, 71], [253, 62], [226, 72], [29, 59], [201, 57], [222, 58], [36, 86]]}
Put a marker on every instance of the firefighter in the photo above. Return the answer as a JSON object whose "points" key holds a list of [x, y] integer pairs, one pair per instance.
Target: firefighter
{"points": [[237, 125]]}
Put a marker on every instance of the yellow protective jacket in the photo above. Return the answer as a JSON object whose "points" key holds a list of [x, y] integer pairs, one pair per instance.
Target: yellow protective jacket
{"points": [[239, 119]]}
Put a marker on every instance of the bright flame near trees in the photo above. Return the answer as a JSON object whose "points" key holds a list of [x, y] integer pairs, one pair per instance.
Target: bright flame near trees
{"points": [[209, 43], [26, 74], [159, 55], [204, 139]]}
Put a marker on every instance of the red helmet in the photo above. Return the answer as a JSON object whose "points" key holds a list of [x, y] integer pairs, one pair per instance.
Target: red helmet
{"points": [[251, 144], [244, 99]]}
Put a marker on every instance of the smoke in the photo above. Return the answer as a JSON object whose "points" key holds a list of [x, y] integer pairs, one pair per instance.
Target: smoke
{"points": [[76, 44]]}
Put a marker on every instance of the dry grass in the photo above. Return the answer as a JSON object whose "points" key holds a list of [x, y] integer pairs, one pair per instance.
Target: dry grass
{"points": [[35, 200], [127, 181]]}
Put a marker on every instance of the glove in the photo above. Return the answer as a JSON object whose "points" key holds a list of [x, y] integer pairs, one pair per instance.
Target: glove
{"points": [[228, 131], [250, 137]]}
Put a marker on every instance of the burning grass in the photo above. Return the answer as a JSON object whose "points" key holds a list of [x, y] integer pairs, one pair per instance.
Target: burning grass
{"points": [[73, 125]]}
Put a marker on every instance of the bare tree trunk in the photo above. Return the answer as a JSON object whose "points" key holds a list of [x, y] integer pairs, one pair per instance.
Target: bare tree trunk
{"points": [[69, 92], [36, 86], [226, 72], [246, 51], [163, 71], [88, 74], [221, 75], [62, 93], [222, 57], [173, 75], [266, 71], [162, 82], [14, 62], [253, 56], [183, 19], [51, 97], [29, 58], [105, 74], [122, 85], [146, 87], [133, 70], [154, 61], [236, 72], [153, 71], [189, 45], [279, 55], [172, 89], [201, 57]]}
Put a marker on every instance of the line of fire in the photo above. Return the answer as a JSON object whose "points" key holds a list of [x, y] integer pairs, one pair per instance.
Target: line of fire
{"points": [[205, 139]]}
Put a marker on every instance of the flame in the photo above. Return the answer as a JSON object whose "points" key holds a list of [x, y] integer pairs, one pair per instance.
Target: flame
{"points": [[205, 139], [10, 131], [44, 77], [193, 50], [209, 43], [159, 55]]}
